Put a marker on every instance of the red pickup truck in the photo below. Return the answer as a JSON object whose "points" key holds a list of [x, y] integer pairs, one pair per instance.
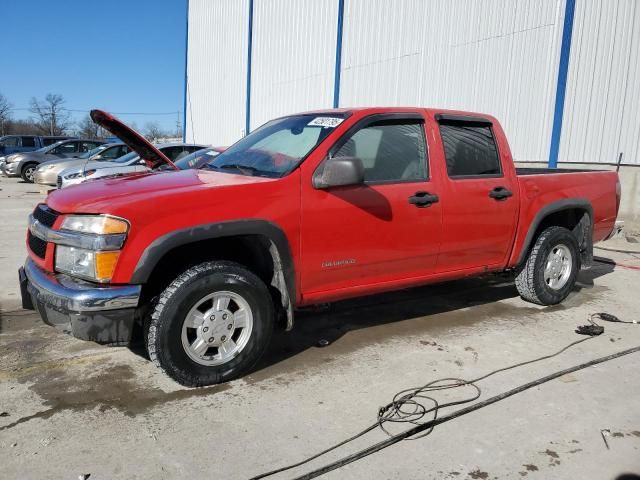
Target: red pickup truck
{"points": [[309, 208]]}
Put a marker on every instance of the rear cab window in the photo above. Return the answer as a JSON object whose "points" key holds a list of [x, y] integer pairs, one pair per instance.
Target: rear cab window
{"points": [[469, 147]]}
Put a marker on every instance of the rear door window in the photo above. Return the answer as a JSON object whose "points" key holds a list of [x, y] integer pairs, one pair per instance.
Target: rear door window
{"points": [[28, 142], [86, 146], [470, 150]]}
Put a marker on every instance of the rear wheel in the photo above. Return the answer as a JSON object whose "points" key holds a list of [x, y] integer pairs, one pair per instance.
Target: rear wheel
{"points": [[551, 269], [212, 324], [27, 172]]}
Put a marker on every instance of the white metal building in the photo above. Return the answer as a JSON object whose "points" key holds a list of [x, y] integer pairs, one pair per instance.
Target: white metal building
{"points": [[563, 76]]}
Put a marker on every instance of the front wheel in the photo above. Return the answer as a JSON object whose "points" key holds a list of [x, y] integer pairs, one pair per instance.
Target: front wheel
{"points": [[28, 171], [212, 324], [551, 269]]}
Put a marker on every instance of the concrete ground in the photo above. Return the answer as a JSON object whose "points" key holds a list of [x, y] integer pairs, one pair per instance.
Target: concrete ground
{"points": [[70, 408]]}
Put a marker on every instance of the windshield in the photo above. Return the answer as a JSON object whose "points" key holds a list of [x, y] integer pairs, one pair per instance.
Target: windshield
{"points": [[277, 147], [92, 152], [50, 147], [196, 159], [126, 158]]}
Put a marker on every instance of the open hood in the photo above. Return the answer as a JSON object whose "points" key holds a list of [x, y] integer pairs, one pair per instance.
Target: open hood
{"points": [[150, 154]]}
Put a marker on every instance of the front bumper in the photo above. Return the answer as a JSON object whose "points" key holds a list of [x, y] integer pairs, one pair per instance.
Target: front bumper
{"points": [[45, 177], [103, 314], [9, 169]]}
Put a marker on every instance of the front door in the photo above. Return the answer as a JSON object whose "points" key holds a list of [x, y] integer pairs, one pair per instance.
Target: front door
{"points": [[380, 231], [480, 198]]}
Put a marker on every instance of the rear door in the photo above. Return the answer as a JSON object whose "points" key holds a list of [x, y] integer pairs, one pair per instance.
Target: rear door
{"points": [[480, 198], [365, 234]]}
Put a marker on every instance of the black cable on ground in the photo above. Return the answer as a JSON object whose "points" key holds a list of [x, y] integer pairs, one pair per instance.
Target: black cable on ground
{"points": [[437, 421], [407, 407], [608, 261]]}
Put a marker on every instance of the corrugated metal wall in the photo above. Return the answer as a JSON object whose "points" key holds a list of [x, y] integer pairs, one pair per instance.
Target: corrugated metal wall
{"points": [[602, 108], [294, 44], [493, 56], [216, 71]]}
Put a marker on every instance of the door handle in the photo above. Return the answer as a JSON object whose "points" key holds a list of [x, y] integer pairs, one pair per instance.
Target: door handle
{"points": [[500, 193], [423, 199]]}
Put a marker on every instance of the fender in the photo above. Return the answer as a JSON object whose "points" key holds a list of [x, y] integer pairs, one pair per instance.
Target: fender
{"points": [[162, 245], [21, 164], [549, 209]]}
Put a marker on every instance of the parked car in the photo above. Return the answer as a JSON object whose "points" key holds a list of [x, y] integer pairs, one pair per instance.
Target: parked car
{"points": [[125, 165], [307, 209], [25, 164], [47, 172], [26, 143], [198, 158]]}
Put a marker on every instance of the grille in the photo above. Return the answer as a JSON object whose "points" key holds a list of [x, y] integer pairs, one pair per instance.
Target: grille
{"points": [[45, 215], [37, 246], [59, 181]]}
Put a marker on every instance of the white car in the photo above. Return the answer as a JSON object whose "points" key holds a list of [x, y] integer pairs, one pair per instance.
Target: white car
{"points": [[127, 164]]}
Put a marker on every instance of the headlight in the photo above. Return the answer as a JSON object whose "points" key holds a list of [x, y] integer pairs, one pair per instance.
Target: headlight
{"points": [[97, 262], [80, 174], [87, 264], [47, 167], [97, 224]]}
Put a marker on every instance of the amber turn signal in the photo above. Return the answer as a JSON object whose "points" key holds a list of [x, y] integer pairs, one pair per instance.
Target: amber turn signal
{"points": [[105, 265]]}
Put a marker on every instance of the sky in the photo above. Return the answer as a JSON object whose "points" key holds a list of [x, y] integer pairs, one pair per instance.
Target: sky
{"points": [[119, 56]]}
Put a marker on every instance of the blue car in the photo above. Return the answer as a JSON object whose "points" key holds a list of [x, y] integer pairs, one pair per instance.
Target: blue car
{"points": [[26, 143]]}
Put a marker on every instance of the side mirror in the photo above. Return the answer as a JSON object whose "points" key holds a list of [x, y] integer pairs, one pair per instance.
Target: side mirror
{"points": [[339, 172]]}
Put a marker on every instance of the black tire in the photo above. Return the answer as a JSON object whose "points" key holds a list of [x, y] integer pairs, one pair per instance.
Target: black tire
{"points": [[27, 172], [164, 340], [530, 281]]}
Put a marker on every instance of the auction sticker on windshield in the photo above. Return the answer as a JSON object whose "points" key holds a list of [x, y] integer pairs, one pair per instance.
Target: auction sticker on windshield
{"points": [[330, 122]]}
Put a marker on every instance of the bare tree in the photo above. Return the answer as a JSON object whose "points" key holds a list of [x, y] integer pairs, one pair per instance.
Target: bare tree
{"points": [[88, 129], [50, 115], [153, 131], [20, 127], [5, 114]]}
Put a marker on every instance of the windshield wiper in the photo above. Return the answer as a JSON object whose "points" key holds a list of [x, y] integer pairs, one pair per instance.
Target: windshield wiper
{"points": [[235, 166]]}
